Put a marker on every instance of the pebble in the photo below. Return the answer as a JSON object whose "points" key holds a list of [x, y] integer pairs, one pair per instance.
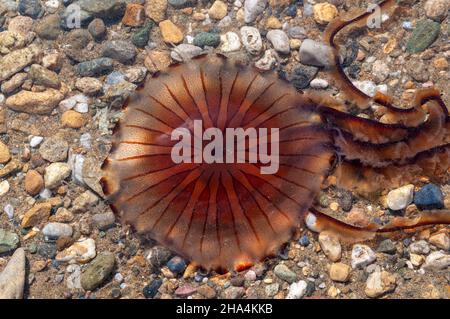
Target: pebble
{"points": [[88, 85], [297, 290], [17, 60], [209, 39], [297, 32], [304, 241], [387, 246], [330, 246], [122, 51], [9, 241], [55, 173], [86, 200], [82, 251], [9, 211], [12, 277], [429, 197], [54, 149], [156, 10], [151, 289], [94, 67], [425, 33], [284, 273], [253, 9], [97, 29], [104, 221], [207, 291], [49, 27], [170, 32], [379, 283], [437, 10], [440, 240], [31, 8], [230, 42], [134, 15], [97, 271], [176, 265], [302, 76], [4, 188], [142, 36], [368, 87], [420, 247], [15, 82], [218, 10], [401, 197], [35, 102], [57, 230], [72, 119], [5, 155], [279, 40], [380, 71], [316, 54], [180, 4], [273, 23], [324, 12], [272, 289], [416, 260], [362, 256], [184, 52], [20, 24], [37, 214], [437, 260], [340, 272], [73, 277], [185, 291], [234, 292], [251, 38], [319, 84], [158, 256], [47, 250]]}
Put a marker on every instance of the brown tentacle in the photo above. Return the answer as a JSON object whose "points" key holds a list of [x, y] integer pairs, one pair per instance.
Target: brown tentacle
{"points": [[319, 222]]}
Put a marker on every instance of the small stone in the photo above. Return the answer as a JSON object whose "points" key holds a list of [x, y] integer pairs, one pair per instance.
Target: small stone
{"points": [[89, 85], [207, 39], [63, 215], [272, 289], [387, 246], [122, 51], [54, 149], [273, 23], [82, 251], [34, 182], [57, 230], [156, 10], [368, 87], [97, 29], [151, 289], [170, 32], [297, 290], [134, 15], [47, 250], [17, 60], [440, 63], [316, 54], [104, 221], [253, 9], [437, 260], [284, 273], [436, 9], [279, 40], [156, 61], [78, 102], [251, 38], [44, 77], [142, 36], [9, 241], [49, 27], [35, 141], [184, 52], [380, 283], [94, 67], [425, 33], [5, 155], [218, 10], [73, 119], [158, 256], [4, 188], [440, 240], [12, 277], [230, 42], [234, 293], [319, 84], [420, 247], [20, 24], [399, 198], [53, 61], [55, 173], [416, 260], [38, 214], [207, 291], [35, 102], [324, 12], [340, 272], [31, 8], [362, 256], [330, 246], [84, 201], [429, 197], [14, 83], [185, 291], [380, 71], [97, 271], [302, 76], [176, 265], [180, 4]]}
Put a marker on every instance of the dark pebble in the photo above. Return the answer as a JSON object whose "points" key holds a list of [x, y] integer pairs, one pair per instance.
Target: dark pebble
{"points": [[310, 288], [351, 52], [122, 51], [345, 200], [304, 241], [94, 67], [207, 39], [115, 293], [47, 250], [387, 247], [237, 281], [151, 289], [303, 75], [291, 11], [159, 256], [31, 8], [142, 36], [353, 71], [176, 265], [407, 242], [180, 4], [97, 29], [425, 33], [429, 197]]}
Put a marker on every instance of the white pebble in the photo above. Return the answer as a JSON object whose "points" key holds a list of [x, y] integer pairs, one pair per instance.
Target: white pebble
{"points": [[319, 84], [251, 38], [297, 290], [401, 197], [230, 42], [362, 256], [4, 188], [35, 141], [9, 210]]}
